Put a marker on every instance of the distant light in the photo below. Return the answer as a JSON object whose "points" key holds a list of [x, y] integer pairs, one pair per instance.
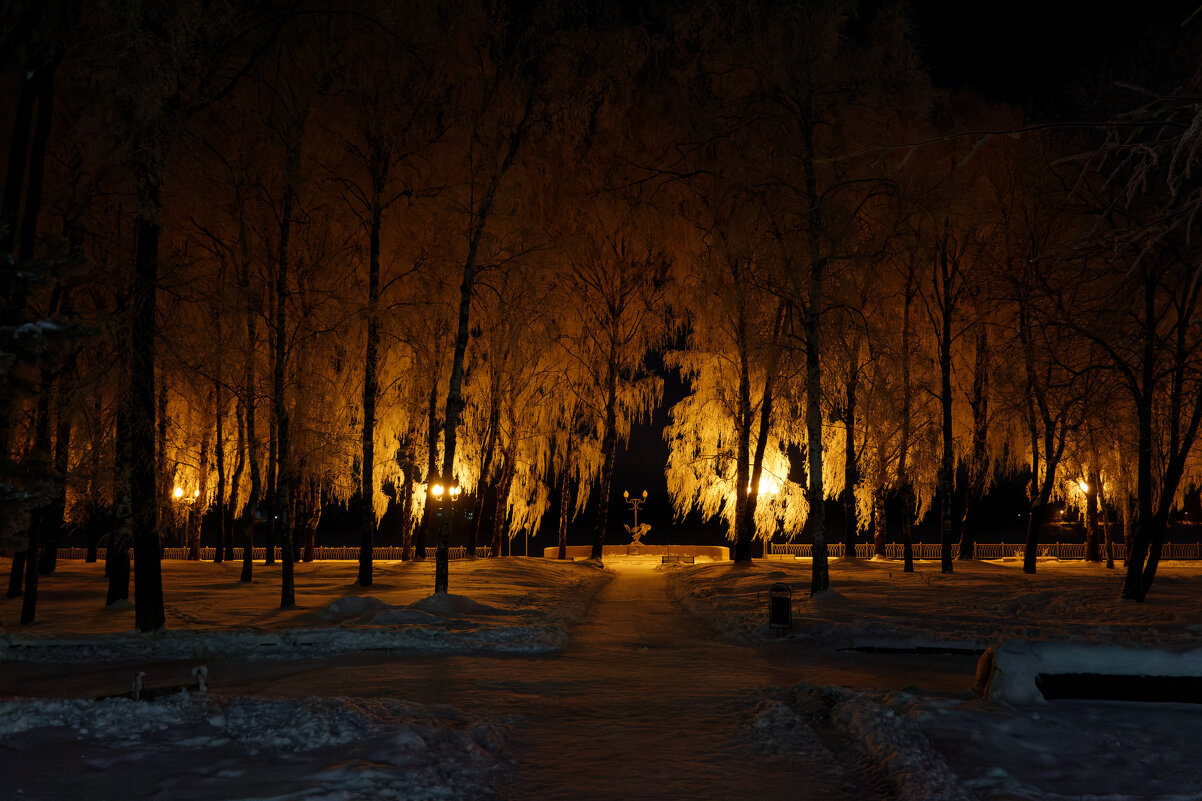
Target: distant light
{"points": [[437, 490], [196, 494], [1084, 486], [179, 492], [455, 490]]}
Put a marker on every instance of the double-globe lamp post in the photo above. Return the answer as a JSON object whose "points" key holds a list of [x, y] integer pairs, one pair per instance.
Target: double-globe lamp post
{"points": [[441, 491]]}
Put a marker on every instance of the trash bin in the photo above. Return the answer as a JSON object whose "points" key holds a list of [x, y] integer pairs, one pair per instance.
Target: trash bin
{"points": [[780, 608]]}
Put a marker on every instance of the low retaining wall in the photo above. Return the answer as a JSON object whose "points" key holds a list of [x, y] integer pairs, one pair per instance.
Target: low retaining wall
{"points": [[717, 553]]}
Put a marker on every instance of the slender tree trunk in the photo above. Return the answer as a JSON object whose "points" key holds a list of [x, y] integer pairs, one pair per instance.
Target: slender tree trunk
{"points": [[149, 611], [197, 509], [743, 486], [16, 574], [116, 556], [978, 467], [761, 441], [256, 486], [166, 504], [880, 535], [565, 505], [419, 548], [500, 525], [484, 486], [54, 520], [1092, 535], [609, 447], [820, 577], [367, 522], [219, 501], [851, 470], [407, 500], [947, 465], [231, 508], [906, 491], [283, 487]]}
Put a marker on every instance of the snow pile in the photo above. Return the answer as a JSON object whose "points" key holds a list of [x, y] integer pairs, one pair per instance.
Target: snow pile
{"points": [[1008, 671], [312, 748], [449, 605], [513, 605]]}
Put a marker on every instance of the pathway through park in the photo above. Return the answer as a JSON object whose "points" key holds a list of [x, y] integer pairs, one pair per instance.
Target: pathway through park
{"points": [[644, 704]]}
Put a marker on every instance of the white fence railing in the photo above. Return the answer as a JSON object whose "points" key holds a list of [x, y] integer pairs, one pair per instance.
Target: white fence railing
{"points": [[351, 552], [984, 550]]}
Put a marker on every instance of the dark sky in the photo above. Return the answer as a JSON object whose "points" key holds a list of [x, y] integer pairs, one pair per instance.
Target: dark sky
{"points": [[1042, 55]]}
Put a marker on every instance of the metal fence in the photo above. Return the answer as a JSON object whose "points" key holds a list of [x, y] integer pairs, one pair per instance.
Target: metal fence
{"points": [[984, 550], [352, 552]]}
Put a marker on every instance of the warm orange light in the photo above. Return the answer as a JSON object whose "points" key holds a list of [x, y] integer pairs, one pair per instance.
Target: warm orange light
{"points": [[1083, 485], [196, 494], [437, 490], [179, 492], [767, 486], [455, 490]]}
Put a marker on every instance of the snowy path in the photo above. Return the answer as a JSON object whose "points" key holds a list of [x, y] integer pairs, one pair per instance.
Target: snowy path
{"points": [[643, 704]]}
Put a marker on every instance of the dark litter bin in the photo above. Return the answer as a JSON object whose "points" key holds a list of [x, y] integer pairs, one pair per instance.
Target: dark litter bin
{"points": [[780, 608]]}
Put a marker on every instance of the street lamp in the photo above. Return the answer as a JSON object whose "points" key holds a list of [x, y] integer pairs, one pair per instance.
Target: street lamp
{"points": [[442, 490], [635, 504]]}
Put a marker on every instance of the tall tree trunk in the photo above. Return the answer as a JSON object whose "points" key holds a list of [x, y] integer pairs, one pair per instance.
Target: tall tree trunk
{"points": [[419, 548], [609, 447], [906, 491], [219, 501], [880, 535], [743, 486], [500, 522], [256, 486], [761, 441], [820, 577], [367, 521], [54, 521], [978, 468], [149, 611], [200, 504], [851, 471], [231, 508], [116, 556], [268, 502], [407, 499], [454, 407], [1092, 535], [283, 487], [947, 465], [166, 506], [485, 484]]}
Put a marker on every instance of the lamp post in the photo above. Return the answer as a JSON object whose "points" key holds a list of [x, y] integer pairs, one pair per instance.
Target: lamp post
{"points": [[188, 513], [443, 490], [635, 504]]}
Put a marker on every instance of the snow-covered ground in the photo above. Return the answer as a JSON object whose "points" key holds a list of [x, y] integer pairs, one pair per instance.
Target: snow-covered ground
{"points": [[513, 605], [190, 746], [873, 604], [931, 746], [456, 701]]}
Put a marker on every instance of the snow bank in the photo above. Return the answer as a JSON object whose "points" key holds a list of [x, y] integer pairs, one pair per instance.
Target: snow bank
{"points": [[1008, 671], [864, 732]]}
